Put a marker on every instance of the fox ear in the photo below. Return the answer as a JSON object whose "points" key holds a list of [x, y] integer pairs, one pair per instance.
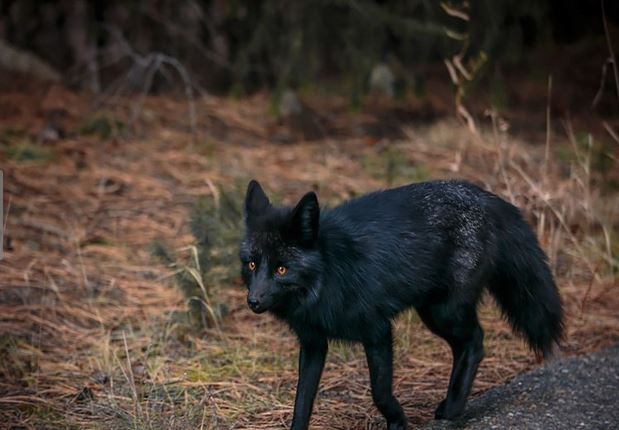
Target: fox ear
{"points": [[305, 219], [256, 201]]}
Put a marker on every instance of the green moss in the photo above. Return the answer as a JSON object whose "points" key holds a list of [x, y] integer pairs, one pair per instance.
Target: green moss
{"points": [[103, 125], [10, 134], [28, 152]]}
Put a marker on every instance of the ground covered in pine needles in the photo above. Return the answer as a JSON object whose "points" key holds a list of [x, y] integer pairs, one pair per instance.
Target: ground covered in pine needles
{"points": [[92, 333]]}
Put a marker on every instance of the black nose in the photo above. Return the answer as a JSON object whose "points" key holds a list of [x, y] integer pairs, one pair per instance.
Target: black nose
{"points": [[253, 303]]}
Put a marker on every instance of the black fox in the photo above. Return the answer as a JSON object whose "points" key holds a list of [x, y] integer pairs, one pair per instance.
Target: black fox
{"points": [[345, 273]]}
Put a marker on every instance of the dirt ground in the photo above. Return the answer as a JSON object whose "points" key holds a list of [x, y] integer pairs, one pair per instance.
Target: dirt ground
{"points": [[89, 329]]}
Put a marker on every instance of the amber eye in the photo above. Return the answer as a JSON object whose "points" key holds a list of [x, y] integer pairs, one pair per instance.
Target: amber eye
{"points": [[281, 270], [251, 265]]}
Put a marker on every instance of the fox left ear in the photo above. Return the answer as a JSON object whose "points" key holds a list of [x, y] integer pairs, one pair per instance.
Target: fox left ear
{"points": [[305, 219], [256, 201]]}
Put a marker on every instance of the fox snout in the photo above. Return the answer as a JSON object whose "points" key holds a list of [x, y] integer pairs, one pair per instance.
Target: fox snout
{"points": [[255, 305], [257, 300]]}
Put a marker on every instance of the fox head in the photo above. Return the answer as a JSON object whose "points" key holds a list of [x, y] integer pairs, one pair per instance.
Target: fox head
{"points": [[280, 257]]}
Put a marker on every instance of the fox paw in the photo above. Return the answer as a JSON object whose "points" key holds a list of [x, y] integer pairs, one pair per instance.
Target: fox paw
{"points": [[399, 425], [444, 412]]}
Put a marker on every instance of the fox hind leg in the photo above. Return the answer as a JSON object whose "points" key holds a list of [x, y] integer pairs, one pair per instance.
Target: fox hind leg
{"points": [[458, 325]]}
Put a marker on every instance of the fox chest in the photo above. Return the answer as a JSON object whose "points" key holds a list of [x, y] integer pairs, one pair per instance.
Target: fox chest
{"points": [[345, 326]]}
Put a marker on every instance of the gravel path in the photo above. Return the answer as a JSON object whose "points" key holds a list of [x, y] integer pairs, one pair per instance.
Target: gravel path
{"points": [[575, 393]]}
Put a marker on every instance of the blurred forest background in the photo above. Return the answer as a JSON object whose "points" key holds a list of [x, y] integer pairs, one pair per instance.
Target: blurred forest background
{"points": [[240, 47], [129, 129]]}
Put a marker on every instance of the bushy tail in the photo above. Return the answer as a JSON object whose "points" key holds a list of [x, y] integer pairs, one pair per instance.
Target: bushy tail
{"points": [[523, 284]]}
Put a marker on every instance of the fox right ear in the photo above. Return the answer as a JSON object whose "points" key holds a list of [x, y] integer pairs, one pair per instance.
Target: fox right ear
{"points": [[305, 219], [256, 201]]}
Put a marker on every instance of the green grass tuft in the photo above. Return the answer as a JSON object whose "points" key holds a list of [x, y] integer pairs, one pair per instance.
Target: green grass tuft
{"points": [[211, 261]]}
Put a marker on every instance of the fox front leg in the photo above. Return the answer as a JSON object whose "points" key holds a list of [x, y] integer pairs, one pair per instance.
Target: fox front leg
{"points": [[379, 354], [311, 362]]}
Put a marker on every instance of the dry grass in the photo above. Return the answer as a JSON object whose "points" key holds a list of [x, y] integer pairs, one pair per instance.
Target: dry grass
{"points": [[90, 334]]}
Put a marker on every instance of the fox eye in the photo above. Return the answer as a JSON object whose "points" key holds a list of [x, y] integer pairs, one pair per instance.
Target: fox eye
{"points": [[251, 265], [281, 270]]}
